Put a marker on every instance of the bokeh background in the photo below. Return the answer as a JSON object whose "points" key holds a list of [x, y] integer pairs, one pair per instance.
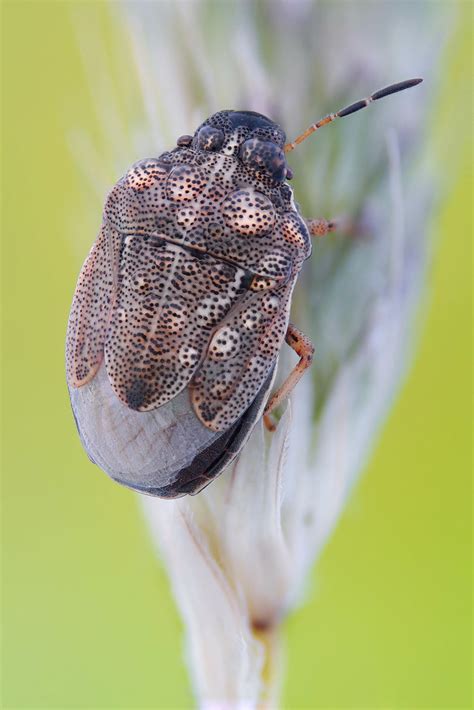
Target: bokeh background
{"points": [[88, 617]]}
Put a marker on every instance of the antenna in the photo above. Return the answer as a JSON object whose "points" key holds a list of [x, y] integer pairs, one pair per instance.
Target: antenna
{"points": [[357, 106]]}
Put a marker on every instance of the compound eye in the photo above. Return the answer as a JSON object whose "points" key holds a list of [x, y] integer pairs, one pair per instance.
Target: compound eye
{"points": [[264, 156], [210, 138], [184, 141]]}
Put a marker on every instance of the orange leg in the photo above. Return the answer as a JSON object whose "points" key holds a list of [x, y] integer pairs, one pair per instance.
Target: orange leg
{"points": [[319, 227], [303, 347]]}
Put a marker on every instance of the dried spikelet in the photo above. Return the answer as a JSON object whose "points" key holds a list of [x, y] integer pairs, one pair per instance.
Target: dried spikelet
{"points": [[239, 553]]}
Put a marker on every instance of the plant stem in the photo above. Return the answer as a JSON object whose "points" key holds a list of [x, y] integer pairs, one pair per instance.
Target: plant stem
{"points": [[273, 667]]}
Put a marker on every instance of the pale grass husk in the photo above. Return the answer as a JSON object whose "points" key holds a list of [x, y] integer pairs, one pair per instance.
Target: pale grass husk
{"points": [[238, 554]]}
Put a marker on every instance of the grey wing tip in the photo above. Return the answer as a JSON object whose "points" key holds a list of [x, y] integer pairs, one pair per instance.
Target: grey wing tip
{"points": [[210, 462]]}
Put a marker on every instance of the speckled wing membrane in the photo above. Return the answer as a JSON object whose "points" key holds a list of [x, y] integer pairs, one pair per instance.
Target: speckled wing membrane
{"points": [[91, 308], [241, 354], [168, 303]]}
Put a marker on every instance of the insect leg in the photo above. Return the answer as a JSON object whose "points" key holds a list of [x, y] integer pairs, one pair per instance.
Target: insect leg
{"points": [[319, 227], [303, 347]]}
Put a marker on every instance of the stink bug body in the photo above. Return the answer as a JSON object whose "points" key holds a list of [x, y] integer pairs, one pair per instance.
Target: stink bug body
{"points": [[182, 305]]}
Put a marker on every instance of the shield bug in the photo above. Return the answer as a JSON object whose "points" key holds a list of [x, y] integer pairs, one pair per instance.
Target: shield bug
{"points": [[182, 305]]}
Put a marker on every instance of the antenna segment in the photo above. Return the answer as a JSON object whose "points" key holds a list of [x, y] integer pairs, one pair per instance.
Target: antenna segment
{"points": [[357, 106]]}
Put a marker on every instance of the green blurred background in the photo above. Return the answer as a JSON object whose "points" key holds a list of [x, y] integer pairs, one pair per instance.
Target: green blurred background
{"points": [[88, 617]]}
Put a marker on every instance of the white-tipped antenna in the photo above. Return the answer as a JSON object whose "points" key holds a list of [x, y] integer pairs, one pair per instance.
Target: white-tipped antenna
{"points": [[357, 106]]}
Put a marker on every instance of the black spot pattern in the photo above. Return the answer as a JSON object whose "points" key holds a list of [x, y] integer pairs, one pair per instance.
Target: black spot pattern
{"points": [[163, 318], [91, 308], [190, 280], [228, 383]]}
